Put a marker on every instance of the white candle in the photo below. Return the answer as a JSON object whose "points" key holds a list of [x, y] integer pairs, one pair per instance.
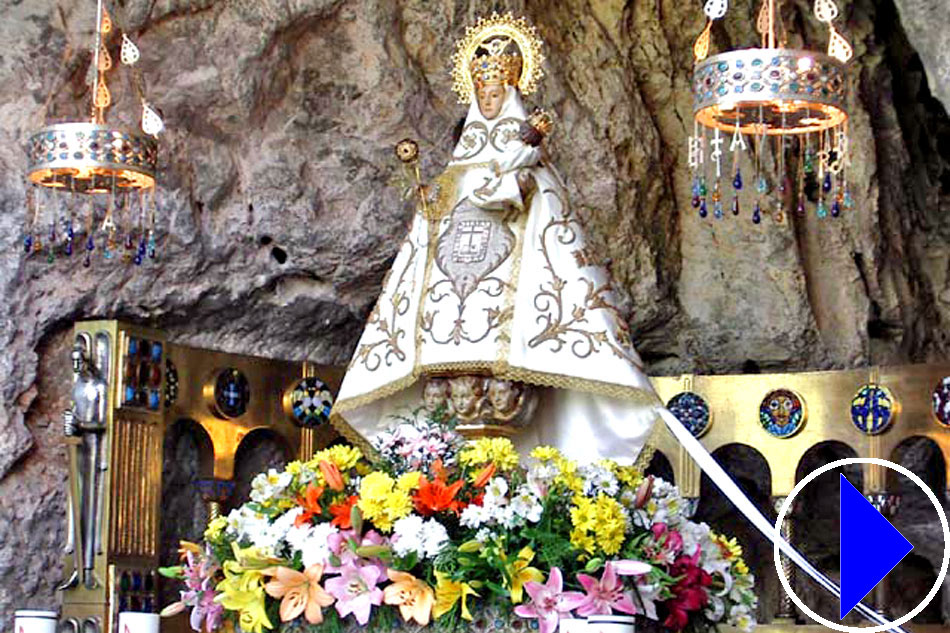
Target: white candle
{"points": [[131, 622], [35, 621], [616, 623]]}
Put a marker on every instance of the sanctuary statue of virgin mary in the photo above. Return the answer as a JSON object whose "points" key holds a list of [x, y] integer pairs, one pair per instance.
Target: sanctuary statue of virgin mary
{"points": [[494, 309]]}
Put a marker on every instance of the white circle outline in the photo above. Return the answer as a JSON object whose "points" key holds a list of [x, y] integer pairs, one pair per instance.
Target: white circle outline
{"points": [[943, 523]]}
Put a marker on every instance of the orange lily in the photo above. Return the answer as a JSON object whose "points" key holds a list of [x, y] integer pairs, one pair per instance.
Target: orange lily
{"points": [[439, 470], [484, 475], [310, 503], [343, 512], [332, 475], [435, 496], [413, 597], [300, 593]]}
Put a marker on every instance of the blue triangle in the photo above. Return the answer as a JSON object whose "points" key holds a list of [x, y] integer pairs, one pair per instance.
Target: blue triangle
{"points": [[870, 546]]}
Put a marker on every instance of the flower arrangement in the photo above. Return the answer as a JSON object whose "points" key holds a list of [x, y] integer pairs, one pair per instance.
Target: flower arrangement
{"points": [[439, 528]]}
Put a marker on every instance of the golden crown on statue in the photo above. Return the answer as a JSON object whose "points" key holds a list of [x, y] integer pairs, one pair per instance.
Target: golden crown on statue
{"points": [[497, 67], [485, 56]]}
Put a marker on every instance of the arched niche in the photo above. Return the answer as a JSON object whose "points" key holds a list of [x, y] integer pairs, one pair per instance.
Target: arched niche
{"points": [[660, 466], [188, 456], [259, 450], [910, 581], [922, 456], [815, 521], [917, 520], [751, 471]]}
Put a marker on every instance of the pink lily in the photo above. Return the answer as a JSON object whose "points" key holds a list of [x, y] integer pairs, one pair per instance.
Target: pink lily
{"points": [[549, 603], [606, 595], [355, 590]]}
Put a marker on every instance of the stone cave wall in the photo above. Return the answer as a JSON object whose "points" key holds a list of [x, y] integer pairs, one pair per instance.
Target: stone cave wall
{"points": [[278, 219]]}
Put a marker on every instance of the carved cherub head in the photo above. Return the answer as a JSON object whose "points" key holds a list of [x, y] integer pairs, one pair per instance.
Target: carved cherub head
{"points": [[435, 394], [505, 397], [466, 393]]}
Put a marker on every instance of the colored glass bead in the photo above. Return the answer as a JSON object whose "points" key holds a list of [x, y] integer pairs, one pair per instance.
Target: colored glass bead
{"points": [[695, 202], [822, 209], [848, 200], [757, 214], [703, 191], [835, 208], [826, 184], [68, 249], [716, 196], [49, 257], [52, 232], [152, 247], [703, 211], [70, 233], [737, 181], [762, 186], [28, 243], [809, 161], [800, 209], [735, 206], [86, 260], [90, 244], [37, 245], [717, 209]]}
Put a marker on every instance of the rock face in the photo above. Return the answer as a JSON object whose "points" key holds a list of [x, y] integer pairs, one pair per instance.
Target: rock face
{"points": [[277, 221]]}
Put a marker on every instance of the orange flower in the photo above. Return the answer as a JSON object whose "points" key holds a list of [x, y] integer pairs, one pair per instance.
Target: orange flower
{"points": [[439, 470], [413, 597], [435, 496], [310, 503], [343, 512], [300, 593], [332, 474], [486, 473]]}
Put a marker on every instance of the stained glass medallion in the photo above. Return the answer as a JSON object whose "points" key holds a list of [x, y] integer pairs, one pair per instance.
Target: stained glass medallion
{"points": [[873, 409], [782, 413], [692, 410], [941, 402], [309, 402], [232, 393]]}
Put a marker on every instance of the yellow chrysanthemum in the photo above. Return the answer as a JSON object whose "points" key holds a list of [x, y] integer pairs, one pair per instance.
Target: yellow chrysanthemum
{"points": [[215, 528], [568, 476], [408, 481], [546, 454], [294, 468], [343, 457], [599, 525], [382, 502], [496, 450], [628, 476], [731, 551]]}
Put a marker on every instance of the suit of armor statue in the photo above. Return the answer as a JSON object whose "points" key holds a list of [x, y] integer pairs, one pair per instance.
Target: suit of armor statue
{"points": [[85, 426]]}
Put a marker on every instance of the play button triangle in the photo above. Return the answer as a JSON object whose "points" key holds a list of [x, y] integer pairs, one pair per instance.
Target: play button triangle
{"points": [[870, 546]]}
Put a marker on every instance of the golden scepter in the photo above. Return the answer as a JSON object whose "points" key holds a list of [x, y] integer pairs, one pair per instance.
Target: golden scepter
{"points": [[407, 151]]}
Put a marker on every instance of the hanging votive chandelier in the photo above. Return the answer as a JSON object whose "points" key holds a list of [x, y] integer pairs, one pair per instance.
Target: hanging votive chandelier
{"points": [[92, 185], [794, 99]]}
